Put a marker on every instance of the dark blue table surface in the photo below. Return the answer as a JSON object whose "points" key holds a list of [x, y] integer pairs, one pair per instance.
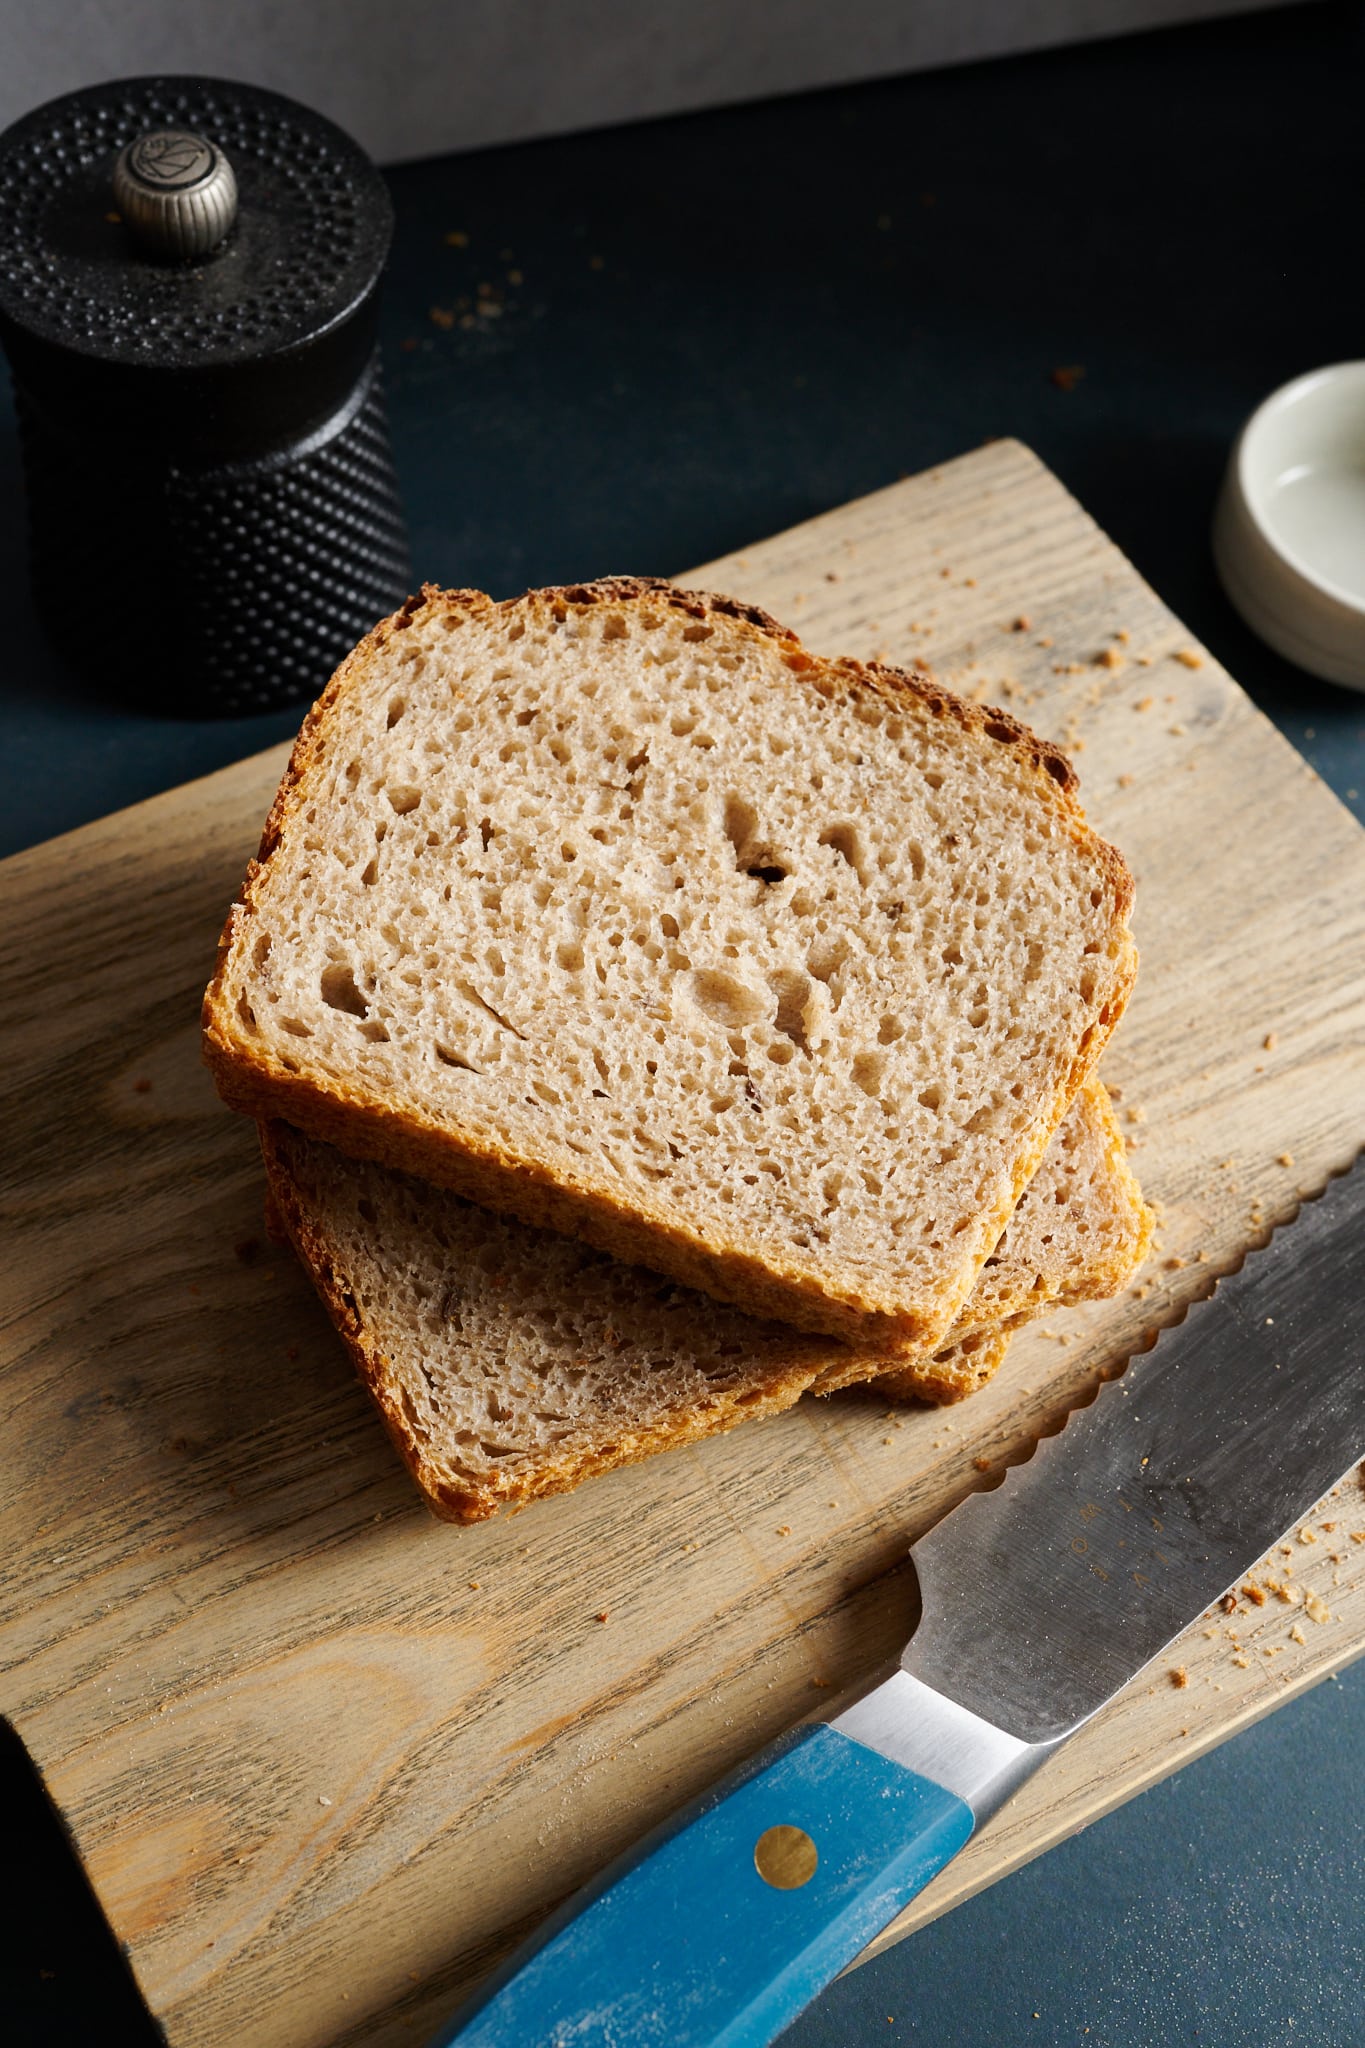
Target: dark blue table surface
{"points": [[708, 328]]}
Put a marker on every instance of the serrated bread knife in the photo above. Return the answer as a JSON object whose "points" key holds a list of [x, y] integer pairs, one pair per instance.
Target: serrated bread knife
{"points": [[1040, 1601]]}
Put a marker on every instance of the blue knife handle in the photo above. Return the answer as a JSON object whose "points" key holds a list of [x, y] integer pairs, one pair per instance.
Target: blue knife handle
{"points": [[684, 1943]]}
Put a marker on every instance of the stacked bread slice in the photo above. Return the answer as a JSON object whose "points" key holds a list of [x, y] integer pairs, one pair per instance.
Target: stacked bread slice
{"points": [[650, 1022]]}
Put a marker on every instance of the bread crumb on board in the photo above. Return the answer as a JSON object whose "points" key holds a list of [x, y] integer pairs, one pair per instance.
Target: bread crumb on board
{"points": [[1188, 657], [1180, 1676]]}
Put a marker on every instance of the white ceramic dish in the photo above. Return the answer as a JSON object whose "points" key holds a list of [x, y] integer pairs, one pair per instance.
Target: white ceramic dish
{"points": [[1289, 533]]}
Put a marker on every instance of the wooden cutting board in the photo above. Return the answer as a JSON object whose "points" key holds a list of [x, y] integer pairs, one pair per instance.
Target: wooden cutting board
{"points": [[323, 1757]]}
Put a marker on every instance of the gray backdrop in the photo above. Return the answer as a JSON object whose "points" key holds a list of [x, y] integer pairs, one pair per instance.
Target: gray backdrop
{"points": [[417, 77]]}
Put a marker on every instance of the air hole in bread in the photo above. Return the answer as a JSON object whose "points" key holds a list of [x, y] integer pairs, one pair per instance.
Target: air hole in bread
{"points": [[414, 1419], [793, 994], [847, 841], [397, 707], [826, 957], [727, 1000], [403, 797], [868, 1068], [569, 956], [376, 1032], [741, 825], [453, 1059], [996, 729], [338, 990]]}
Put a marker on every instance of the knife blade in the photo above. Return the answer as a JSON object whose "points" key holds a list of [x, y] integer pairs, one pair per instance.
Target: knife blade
{"points": [[1040, 1600]]}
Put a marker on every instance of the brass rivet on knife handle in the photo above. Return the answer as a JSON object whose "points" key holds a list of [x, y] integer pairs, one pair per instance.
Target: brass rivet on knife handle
{"points": [[785, 1857]]}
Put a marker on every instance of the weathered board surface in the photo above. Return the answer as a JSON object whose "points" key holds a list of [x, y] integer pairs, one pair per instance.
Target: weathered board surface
{"points": [[323, 1757]]}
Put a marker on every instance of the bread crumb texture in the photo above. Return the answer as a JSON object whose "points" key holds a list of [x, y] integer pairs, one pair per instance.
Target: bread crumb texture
{"points": [[612, 907], [511, 1362]]}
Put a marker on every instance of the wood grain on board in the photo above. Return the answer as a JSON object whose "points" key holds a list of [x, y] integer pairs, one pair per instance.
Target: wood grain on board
{"points": [[323, 1757]]}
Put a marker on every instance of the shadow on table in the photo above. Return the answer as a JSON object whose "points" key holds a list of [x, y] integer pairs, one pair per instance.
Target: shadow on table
{"points": [[63, 1977]]}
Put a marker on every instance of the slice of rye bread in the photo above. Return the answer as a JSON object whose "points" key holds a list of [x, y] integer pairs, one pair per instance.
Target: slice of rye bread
{"points": [[1078, 1233], [509, 1362], [613, 908]]}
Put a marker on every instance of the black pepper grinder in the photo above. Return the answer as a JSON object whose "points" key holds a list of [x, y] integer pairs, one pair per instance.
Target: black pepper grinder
{"points": [[189, 299]]}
